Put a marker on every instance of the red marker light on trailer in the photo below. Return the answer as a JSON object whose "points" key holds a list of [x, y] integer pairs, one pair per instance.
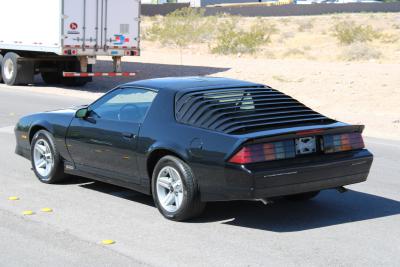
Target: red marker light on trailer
{"points": [[74, 52]]}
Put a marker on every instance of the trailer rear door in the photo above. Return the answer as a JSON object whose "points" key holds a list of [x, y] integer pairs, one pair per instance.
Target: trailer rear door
{"points": [[101, 25]]}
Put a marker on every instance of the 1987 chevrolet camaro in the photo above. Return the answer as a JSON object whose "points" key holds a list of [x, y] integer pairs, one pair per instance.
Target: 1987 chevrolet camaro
{"points": [[187, 141]]}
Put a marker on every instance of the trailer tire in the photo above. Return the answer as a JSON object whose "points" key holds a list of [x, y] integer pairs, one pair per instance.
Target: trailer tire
{"points": [[1, 60], [9, 69], [51, 77], [15, 72]]}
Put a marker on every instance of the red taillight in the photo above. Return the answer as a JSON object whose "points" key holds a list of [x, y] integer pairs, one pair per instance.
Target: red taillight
{"points": [[343, 142], [264, 152]]}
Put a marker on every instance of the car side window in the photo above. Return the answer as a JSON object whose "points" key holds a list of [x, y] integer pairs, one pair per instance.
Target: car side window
{"points": [[125, 104]]}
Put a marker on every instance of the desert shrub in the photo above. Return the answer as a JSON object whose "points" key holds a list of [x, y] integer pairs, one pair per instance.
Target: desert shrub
{"points": [[231, 39], [305, 25], [348, 32], [287, 35], [389, 38], [182, 27], [293, 52], [285, 21], [360, 51]]}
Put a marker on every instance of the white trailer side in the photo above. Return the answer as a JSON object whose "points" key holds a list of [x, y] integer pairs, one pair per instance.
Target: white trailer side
{"points": [[49, 33]]}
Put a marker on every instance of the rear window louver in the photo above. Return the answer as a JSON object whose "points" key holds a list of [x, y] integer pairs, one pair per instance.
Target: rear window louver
{"points": [[243, 110]]}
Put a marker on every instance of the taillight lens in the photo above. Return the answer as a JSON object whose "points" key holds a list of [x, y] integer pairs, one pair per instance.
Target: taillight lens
{"points": [[264, 152], [343, 142]]}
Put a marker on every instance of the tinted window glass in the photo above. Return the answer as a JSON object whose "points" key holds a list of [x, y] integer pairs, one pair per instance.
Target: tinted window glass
{"points": [[124, 105]]}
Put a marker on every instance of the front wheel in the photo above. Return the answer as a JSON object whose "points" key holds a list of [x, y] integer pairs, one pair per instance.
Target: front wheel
{"points": [[46, 161], [175, 190]]}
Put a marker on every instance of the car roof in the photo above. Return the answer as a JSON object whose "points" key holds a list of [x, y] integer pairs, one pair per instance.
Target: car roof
{"points": [[190, 83]]}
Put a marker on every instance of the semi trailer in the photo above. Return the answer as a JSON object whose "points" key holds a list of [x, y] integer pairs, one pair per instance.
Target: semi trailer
{"points": [[61, 39]]}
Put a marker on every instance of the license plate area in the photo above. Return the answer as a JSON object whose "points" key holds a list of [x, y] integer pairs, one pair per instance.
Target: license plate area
{"points": [[306, 145]]}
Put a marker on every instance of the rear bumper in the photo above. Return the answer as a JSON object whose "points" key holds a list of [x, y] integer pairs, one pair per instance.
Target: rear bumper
{"points": [[292, 177]]}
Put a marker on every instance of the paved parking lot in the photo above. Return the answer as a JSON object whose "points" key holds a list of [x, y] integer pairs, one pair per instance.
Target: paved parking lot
{"points": [[360, 227]]}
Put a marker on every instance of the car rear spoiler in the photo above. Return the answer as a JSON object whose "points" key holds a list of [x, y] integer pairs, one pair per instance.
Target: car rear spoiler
{"points": [[291, 133], [295, 132]]}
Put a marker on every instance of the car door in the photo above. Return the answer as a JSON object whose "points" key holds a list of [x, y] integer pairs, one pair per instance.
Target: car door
{"points": [[105, 141]]}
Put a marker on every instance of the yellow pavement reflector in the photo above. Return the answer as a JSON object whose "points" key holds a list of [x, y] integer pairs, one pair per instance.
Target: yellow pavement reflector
{"points": [[47, 210], [27, 212], [108, 242], [13, 198]]}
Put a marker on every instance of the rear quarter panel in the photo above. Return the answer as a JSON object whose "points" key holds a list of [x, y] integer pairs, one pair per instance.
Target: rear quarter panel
{"points": [[205, 151]]}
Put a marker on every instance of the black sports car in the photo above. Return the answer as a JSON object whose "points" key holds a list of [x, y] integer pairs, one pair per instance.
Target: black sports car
{"points": [[191, 140]]}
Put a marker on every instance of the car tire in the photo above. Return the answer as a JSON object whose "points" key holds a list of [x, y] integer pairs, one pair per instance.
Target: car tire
{"points": [[303, 196], [45, 158], [182, 185], [1, 77]]}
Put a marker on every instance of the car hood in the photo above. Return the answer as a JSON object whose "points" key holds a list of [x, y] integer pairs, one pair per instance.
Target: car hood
{"points": [[66, 111]]}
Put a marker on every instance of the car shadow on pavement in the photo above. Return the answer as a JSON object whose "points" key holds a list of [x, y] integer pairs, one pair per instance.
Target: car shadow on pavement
{"points": [[143, 70], [116, 191], [327, 209]]}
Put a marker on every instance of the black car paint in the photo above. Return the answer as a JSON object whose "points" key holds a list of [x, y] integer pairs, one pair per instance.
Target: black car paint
{"points": [[124, 161]]}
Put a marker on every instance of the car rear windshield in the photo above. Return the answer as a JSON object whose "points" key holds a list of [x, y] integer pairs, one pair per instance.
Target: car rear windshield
{"points": [[243, 110]]}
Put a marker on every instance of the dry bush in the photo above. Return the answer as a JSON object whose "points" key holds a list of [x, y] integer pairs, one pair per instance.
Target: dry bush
{"points": [[233, 40], [348, 32], [360, 51], [305, 25], [182, 27], [293, 52], [287, 35], [389, 38]]}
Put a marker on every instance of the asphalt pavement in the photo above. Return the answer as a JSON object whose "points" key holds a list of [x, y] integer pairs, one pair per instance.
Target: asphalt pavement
{"points": [[357, 228]]}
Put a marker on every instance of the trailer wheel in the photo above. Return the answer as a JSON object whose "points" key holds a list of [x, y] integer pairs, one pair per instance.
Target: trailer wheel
{"points": [[14, 72], [51, 77], [9, 68], [1, 78]]}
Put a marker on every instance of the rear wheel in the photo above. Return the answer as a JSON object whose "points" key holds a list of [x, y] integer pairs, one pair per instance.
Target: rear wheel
{"points": [[51, 77], [303, 196], [9, 69], [1, 60], [46, 161], [175, 191], [14, 72]]}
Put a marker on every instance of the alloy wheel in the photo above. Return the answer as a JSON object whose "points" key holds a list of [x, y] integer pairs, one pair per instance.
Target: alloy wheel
{"points": [[169, 189], [43, 158]]}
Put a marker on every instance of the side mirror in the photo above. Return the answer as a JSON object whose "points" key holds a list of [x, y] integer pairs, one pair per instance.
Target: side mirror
{"points": [[82, 113]]}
